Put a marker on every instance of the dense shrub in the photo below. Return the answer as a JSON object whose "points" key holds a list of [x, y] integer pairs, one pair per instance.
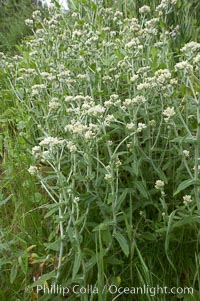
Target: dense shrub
{"points": [[107, 123]]}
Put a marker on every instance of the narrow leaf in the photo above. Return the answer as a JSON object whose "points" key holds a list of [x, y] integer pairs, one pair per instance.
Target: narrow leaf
{"points": [[185, 184], [122, 242]]}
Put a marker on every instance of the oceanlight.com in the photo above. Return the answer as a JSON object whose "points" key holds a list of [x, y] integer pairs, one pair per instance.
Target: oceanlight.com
{"points": [[112, 289]]}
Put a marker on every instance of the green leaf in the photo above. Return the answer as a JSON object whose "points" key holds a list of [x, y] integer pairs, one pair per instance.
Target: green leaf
{"points": [[148, 236], [106, 237], [43, 279], [3, 202], [53, 246], [13, 272], [114, 261], [23, 262], [185, 184], [103, 226], [185, 221], [90, 263], [122, 242], [51, 212], [121, 199], [77, 263], [111, 198], [142, 189]]}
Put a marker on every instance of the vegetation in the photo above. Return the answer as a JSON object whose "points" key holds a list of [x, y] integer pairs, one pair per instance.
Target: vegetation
{"points": [[12, 26], [99, 145]]}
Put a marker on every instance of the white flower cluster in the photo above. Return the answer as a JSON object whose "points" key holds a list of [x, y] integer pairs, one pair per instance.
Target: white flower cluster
{"points": [[96, 111], [134, 44], [108, 177], [184, 66], [168, 113], [114, 100], [134, 101], [191, 47], [159, 185], [134, 77], [51, 142], [79, 99], [36, 15], [26, 74], [29, 22], [165, 5], [36, 150], [134, 25], [130, 126], [196, 59], [162, 76], [33, 170], [187, 199], [186, 153], [54, 104], [37, 89], [47, 76], [71, 146], [77, 128], [143, 71], [145, 9], [160, 81], [108, 119], [29, 71], [141, 126]]}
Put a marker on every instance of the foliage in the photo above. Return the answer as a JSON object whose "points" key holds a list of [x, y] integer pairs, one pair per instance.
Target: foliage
{"points": [[12, 26], [102, 109]]}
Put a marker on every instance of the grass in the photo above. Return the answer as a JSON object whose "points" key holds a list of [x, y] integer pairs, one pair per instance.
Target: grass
{"points": [[12, 26], [100, 147]]}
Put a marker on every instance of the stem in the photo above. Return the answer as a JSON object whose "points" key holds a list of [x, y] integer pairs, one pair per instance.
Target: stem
{"points": [[61, 239], [196, 169]]}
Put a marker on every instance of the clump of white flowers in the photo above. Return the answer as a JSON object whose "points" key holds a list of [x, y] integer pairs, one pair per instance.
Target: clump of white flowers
{"points": [[159, 185], [164, 6], [76, 127], [162, 80], [168, 113], [139, 99], [187, 199], [33, 170], [36, 15], [162, 76], [51, 141], [186, 153], [108, 177], [134, 77], [130, 126], [141, 126], [196, 59], [145, 9], [184, 66], [134, 44], [36, 150], [29, 22], [54, 104], [37, 89], [109, 118], [71, 146], [191, 47], [96, 111]]}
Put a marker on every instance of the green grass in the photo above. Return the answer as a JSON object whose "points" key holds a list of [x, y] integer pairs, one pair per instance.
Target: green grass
{"points": [[12, 26], [103, 112]]}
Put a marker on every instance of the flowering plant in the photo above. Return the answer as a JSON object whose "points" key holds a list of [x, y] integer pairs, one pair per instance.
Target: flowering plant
{"points": [[115, 125]]}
